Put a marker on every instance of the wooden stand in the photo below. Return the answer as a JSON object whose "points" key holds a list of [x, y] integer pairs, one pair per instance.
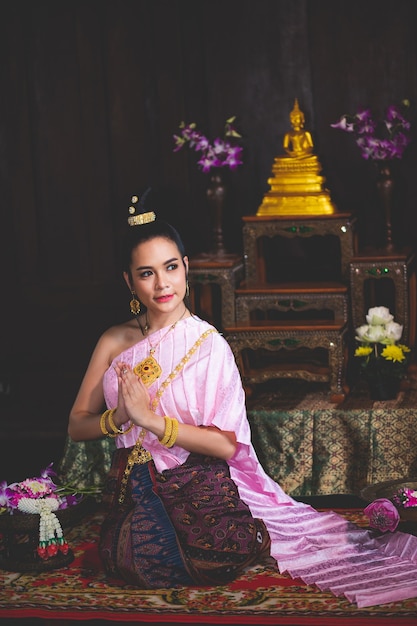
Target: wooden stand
{"points": [[371, 272], [298, 298], [296, 327], [340, 226], [251, 339], [207, 272]]}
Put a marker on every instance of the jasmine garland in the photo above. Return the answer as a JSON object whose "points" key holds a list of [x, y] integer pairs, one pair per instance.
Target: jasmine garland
{"points": [[44, 497]]}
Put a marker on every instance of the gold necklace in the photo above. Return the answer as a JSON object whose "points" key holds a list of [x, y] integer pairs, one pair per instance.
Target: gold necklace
{"points": [[149, 369]]}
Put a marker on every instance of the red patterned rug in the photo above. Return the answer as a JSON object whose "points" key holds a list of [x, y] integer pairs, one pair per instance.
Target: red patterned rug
{"points": [[81, 591]]}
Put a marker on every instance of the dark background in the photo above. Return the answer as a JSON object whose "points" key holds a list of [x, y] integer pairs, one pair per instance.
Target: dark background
{"points": [[92, 92]]}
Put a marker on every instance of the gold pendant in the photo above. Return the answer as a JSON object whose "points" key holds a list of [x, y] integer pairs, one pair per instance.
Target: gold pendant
{"points": [[148, 370]]}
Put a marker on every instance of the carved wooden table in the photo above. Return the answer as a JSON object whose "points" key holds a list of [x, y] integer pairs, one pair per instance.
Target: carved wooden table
{"points": [[299, 298], [339, 225], [253, 344], [225, 272], [367, 272]]}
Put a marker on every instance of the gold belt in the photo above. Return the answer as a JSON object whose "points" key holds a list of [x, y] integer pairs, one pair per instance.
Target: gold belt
{"points": [[137, 456]]}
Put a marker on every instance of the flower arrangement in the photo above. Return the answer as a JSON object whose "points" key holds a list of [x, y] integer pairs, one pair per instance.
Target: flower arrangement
{"points": [[44, 497], [405, 497], [218, 153], [380, 353], [383, 513], [379, 140]]}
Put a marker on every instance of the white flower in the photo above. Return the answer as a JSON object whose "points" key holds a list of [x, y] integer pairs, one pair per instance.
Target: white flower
{"points": [[371, 334], [378, 315], [379, 352], [361, 332], [393, 332]]}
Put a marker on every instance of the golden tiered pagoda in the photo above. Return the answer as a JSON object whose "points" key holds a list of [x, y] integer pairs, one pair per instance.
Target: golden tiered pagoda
{"points": [[296, 187]]}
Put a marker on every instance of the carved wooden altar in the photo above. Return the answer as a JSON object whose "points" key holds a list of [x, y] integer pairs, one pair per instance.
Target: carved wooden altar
{"points": [[303, 327], [296, 327]]}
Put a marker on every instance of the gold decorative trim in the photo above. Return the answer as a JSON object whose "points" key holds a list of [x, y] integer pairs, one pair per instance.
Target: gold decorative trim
{"points": [[142, 218]]}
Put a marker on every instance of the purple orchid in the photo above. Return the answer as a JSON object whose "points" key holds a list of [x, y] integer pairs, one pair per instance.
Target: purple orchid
{"points": [[4, 495], [219, 153], [405, 497], [48, 472], [382, 140]]}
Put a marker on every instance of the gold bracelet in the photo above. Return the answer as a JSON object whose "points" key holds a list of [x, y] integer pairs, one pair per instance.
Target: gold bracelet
{"points": [[174, 433], [171, 432], [168, 430], [103, 424], [117, 431], [131, 427]]}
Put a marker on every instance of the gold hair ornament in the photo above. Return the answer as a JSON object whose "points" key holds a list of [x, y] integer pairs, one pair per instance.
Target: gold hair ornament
{"points": [[140, 218]]}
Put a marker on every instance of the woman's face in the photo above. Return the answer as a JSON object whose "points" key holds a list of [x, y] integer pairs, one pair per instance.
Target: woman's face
{"points": [[158, 275]]}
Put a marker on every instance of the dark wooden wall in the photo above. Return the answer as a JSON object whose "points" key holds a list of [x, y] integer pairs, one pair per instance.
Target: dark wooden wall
{"points": [[91, 94]]}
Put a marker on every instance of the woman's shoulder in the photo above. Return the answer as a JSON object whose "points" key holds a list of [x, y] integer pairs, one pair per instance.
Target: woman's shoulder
{"points": [[200, 328], [120, 337], [123, 332], [197, 325]]}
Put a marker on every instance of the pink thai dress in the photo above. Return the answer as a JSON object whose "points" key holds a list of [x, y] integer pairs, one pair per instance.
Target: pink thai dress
{"points": [[368, 568]]}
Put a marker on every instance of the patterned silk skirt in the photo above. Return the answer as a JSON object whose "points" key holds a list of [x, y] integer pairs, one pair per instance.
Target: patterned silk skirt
{"points": [[179, 527]]}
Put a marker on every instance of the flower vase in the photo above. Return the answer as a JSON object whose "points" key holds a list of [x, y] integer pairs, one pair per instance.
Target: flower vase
{"points": [[385, 188], [216, 194], [383, 388]]}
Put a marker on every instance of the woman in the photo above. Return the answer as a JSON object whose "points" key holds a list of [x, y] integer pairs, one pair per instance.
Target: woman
{"points": [[188, 501], [144, 370]]}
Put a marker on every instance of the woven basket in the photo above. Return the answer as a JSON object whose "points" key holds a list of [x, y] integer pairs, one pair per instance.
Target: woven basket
{"points": [[19, 537]]}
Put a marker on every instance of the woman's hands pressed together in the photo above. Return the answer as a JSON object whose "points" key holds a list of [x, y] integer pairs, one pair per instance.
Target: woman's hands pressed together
{"points": [[133, 397], [134, 402]]}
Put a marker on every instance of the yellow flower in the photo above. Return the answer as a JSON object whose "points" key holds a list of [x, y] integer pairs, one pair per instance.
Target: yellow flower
{"points": [[404, 348], [363, 351], [393, 353]]}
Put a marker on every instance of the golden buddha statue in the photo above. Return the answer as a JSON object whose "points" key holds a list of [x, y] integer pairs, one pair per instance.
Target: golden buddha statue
{"points": [[298, 143], [296, 187]]}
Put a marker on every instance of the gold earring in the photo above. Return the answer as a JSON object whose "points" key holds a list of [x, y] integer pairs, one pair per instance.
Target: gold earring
{"points": [[134, 305], [187, 289]]}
